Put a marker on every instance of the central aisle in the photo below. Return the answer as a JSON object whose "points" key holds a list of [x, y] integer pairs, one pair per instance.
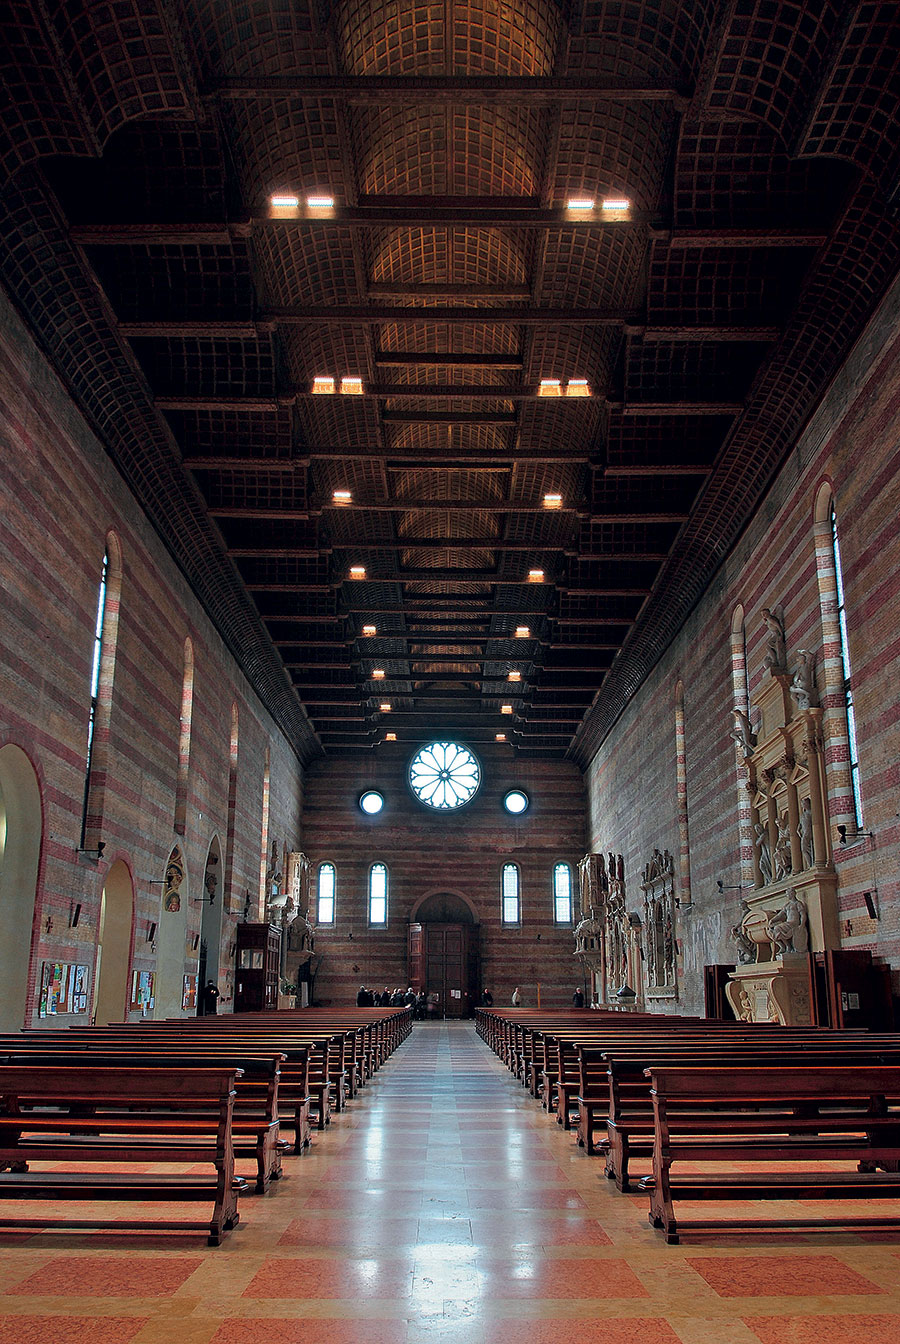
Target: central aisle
{"points": [[444, 1205]]}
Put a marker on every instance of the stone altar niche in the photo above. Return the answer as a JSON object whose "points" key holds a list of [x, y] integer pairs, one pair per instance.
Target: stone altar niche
{"points": [[658, 886], [606, 938], [792, 908]]}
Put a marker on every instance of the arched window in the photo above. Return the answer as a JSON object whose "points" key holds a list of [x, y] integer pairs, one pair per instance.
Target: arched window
{"points": [[263, 897], [842, 760], [325, 894], [184, 739], [509, 894], [103, 663], [378, 884], [845, 669], [562, 893]]}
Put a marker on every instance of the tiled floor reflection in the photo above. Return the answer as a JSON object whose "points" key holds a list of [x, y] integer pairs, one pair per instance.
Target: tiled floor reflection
{"points": [[443, 1205]]}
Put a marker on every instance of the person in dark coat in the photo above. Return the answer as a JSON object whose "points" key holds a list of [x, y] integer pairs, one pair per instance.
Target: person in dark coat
{"points": [[209, 997], [487, 999], [578, 997], [362, 997]]}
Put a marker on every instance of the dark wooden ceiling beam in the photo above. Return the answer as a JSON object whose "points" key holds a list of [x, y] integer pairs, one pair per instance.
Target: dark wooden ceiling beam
{"points": [[201, 233], [362, 314], [363, 90]]}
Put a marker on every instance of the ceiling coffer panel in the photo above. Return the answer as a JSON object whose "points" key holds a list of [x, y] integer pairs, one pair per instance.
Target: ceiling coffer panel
{"points": [[443, 485], [241, 40], [310, 351], [484, 37], [591, 270], [736, 174], [618, 150], [222, 367], [150, 171], [486, 338], [232, 433], [448, 256], [285, 145], [315, 266], [663, 41]]}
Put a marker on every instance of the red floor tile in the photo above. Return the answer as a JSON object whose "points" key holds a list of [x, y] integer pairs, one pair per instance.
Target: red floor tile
{"points": [[785, 1276], [540, 1278], [102, 1276], [350, 1233], [72, 1329], [331, 1278], [309, 1332], [530, 1229], [635, 1331], [825, 1329]]}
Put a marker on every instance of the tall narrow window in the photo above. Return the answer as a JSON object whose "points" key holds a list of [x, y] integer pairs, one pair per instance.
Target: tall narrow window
{"points": [[562, 893], [378, 894], [184, 739], [95, 689], [103, 666], [509, 894], [845, 666], [325, 901]]}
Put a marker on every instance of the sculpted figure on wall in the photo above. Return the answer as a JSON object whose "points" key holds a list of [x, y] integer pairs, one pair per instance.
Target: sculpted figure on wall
{"points": [[658, 884], [803, 683], [746, 948], [742, 733], [805, 830], [776, 650], [765, 852], [783, 861], [788, 929]]}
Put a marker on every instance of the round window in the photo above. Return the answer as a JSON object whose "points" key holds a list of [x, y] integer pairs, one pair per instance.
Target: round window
{"points": [[444, 775], [371, 802], [516, 802]]}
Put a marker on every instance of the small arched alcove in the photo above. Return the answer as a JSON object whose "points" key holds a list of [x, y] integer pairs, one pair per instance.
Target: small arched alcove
{"points": [[211, 915], [20, 852], [171, 938], [114, 945]]}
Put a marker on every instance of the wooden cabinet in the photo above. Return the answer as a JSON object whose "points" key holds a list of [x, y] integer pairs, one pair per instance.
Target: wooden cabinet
{"points": [[258, 954]]}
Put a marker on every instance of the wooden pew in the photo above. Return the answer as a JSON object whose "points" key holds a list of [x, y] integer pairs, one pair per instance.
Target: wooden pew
{"points": [[254, 1125], [792, 1114], [99, 1114]]}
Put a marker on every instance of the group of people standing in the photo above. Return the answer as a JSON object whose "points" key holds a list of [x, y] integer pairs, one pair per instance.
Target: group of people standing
{"points": [[387, 998]]}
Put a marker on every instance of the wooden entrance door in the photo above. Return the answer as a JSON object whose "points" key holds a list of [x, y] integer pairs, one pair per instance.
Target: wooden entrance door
{"points": [[441, 961]]}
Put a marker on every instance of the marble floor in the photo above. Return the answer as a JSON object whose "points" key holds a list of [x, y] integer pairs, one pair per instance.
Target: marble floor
{"points": [[444, 1205]]}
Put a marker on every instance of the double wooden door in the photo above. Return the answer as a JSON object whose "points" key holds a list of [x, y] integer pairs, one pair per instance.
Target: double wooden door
{"points": [[442, 961]]}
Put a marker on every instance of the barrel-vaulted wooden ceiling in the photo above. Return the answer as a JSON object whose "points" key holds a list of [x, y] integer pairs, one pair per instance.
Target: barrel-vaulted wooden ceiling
{"points": [[756, 144]]}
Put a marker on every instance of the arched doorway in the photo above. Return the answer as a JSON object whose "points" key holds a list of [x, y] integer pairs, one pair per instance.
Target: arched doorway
{"points": [[171, 939], [210, 919], [443, 952], [114, 945], [20, 852]]}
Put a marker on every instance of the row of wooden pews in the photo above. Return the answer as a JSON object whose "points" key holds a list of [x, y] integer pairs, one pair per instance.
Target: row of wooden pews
{"points": [[200, 1091], [824, 1105]]}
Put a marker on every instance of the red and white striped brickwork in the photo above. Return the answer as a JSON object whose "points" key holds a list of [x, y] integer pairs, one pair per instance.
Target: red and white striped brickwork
{"points": [[850, 448]]}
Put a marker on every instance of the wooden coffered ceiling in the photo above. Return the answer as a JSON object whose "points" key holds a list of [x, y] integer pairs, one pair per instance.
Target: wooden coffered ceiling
{"points": [[757, 146]]}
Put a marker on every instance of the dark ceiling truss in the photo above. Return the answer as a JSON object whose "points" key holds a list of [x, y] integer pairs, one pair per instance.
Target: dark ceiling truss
{"points": [[189, 322]]}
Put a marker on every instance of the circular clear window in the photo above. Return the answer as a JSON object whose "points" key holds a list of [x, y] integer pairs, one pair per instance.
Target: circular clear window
{"points": [[371, 802], [516, 802]]}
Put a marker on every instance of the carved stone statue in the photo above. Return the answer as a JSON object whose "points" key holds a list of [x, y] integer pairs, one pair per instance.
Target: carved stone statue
{"points": [[745, 946], [788, 929], [783, 860], [803, 684], [765, 852], [742, 733], [805, 829], [776, 652]]}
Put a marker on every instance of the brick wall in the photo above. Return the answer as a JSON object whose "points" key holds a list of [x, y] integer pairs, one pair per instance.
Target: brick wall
{"points": [[59, 497], [460, 853], [851, 442]]}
